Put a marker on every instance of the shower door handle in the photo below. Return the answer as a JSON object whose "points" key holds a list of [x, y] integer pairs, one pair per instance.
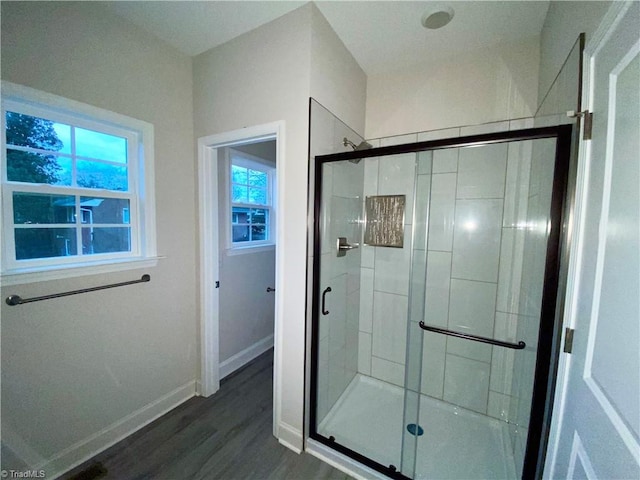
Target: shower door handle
{"points": [[324, 294]]}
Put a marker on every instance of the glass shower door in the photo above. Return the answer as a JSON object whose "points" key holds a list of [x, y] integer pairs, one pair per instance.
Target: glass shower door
{"points": [[338, 298], [363, 257], [490, 233]]}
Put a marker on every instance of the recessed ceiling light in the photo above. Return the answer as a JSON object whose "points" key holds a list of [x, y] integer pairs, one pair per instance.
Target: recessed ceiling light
{"points": [[437, 19]]}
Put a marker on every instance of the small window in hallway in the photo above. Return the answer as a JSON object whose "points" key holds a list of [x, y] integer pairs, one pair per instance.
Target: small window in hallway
{"points": [[251, 200]]}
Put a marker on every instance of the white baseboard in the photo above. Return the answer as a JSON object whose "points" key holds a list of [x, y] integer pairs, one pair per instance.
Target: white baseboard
{"points": [[243, 357], [290, 437], [87, 448]]}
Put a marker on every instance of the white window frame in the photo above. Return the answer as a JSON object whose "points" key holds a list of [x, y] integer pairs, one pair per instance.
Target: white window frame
{"points": [[250, 161], [140, 161]]}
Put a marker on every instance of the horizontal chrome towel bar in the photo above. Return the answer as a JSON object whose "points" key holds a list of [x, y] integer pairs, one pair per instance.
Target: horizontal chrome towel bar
{"points": [[516, 346], [17, 300]]}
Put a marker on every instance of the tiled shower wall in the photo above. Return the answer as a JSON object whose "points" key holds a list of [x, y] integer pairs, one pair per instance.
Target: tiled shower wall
{"points": [[384, 277], [478, 216]]}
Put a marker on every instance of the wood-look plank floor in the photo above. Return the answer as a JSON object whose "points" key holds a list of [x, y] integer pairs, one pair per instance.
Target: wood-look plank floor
{"points": [[226, 436]]}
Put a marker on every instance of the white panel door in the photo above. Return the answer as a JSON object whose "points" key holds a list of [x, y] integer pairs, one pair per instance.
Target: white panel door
{"points": [[599, 407]]}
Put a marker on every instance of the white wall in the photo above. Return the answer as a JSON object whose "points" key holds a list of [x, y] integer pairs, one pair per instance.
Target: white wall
{"points": [[565, 20], [73, 367], [264, 150], [258, 78], [487, 85], [337, 81]]}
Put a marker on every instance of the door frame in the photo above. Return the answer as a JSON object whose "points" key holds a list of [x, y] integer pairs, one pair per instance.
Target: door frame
{"points": [[208, 209]]}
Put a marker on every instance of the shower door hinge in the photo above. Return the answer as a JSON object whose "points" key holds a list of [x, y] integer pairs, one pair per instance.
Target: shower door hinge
{"points": [[587, 119], [568, 340]]}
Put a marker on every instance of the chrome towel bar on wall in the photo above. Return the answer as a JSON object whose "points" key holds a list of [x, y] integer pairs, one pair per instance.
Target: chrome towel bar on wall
{"points": [[17, 300], [491, 341]]}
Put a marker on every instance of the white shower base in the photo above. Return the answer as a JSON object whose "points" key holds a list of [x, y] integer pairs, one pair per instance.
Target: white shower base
{"points": [[457, 443]]}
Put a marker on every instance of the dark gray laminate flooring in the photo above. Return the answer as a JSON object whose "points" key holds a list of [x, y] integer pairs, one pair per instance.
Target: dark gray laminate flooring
{"points": [[226, 436]]}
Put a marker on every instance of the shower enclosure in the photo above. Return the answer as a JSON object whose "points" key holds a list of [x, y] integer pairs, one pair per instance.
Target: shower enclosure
{"points": [[435, 277]]}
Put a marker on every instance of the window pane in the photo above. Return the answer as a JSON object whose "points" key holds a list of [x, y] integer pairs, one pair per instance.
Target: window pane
{"points": [[45, 242], [258, 196], [105, 240], [102, 175], [37, 208], [249, 224], [101, 146], [34, 132], [104, 210], [38, 168], [259, 216], [257, 179], [240, 215], [258, 232], [240, 233], [240, 194], [238, 174]]}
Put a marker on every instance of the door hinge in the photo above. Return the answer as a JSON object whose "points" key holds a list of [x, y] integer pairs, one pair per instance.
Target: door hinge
{"points": [[587, 126], [568, 340], [587, 121], [217, 283]]}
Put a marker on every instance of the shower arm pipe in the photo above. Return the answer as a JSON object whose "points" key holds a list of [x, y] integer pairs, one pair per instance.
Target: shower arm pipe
{"points": [[491, 341]]}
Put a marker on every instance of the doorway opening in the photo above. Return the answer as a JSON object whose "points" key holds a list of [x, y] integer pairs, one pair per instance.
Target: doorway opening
{"points": [[239, 214]]}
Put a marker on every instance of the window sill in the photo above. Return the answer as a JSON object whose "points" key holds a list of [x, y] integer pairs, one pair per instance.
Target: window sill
{"points": [[250, 249], [22, 276]]}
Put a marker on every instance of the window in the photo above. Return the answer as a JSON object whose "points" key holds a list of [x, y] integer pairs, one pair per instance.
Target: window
{"points": [[251, 190], [75, 185]]}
